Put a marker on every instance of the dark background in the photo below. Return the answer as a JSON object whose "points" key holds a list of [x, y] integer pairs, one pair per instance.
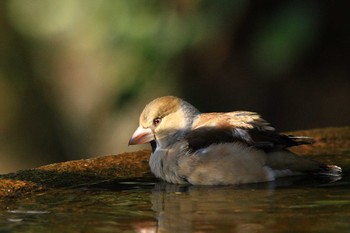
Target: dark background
{"points": [[75, 75]]}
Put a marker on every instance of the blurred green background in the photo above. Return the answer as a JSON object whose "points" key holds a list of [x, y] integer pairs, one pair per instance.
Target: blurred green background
{"points": [[75, 74]]}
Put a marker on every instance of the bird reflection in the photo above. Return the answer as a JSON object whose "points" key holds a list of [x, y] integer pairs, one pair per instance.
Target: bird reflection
{"points": [[185, 208], [243, 208]]}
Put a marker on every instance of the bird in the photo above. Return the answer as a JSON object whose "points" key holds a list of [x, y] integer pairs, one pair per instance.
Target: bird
{"points": [[218, 148]]}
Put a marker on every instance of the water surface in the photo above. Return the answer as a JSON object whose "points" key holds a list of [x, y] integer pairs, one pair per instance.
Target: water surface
{"points": [[298, 204]]}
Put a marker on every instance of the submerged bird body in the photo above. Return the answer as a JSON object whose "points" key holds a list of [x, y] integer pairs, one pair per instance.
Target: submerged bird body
{"points": [[218, 148]]}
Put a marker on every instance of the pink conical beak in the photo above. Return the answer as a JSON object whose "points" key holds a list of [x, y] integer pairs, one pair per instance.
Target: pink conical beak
{"points": [[141, 136]]}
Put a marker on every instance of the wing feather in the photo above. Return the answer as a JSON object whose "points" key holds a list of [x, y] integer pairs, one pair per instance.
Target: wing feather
{"points": [[243, 126]]}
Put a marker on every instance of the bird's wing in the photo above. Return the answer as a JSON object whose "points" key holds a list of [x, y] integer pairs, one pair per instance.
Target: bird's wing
{"points": [[243, 126]]}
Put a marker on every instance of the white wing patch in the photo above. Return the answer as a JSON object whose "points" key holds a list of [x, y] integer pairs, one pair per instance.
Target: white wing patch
{"points": [[285, 172]]}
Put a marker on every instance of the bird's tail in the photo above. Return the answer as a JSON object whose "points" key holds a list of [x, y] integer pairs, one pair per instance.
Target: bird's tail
{"points": [[330, 170], [301, 140], [286, 160]]}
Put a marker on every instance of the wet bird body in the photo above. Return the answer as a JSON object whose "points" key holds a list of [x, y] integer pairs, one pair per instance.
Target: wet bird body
{"points": [[218, 148]]}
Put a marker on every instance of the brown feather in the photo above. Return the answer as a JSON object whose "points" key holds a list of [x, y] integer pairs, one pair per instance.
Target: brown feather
{"points": [[241, 119], [243, 126]]}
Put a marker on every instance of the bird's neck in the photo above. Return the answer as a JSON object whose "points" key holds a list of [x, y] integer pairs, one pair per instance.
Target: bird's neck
{"points": [[167, 142]]}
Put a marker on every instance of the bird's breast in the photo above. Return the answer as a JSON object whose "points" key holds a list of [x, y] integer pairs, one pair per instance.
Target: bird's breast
{"points": [[164, 165]]}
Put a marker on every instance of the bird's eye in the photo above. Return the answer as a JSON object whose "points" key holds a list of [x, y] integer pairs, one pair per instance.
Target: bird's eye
{"points": [[157, 121]]}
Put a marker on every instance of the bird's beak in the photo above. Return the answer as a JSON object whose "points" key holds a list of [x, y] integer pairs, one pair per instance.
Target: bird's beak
{"points": [[141, 136]]}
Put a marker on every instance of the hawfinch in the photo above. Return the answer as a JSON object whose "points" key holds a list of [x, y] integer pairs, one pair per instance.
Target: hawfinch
{"points": [[218, 148]]}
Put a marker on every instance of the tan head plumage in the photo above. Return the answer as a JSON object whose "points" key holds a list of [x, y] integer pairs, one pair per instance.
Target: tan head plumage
{"points": [[159, 108]]}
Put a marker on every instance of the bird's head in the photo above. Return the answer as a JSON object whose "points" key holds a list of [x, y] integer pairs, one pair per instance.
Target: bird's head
{"points": [[165, 120]]}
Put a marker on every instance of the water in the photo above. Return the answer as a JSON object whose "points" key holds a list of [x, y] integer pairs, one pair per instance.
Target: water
{"points": [[296, 204]]}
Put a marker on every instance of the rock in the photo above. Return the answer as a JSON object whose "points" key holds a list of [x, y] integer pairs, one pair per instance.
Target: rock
{"points": [[335, 140], [75, 173]]}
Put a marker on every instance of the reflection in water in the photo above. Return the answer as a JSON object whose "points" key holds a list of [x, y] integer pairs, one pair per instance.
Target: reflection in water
{"points": [[19, 215], [194, 208], [249, 208]]}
